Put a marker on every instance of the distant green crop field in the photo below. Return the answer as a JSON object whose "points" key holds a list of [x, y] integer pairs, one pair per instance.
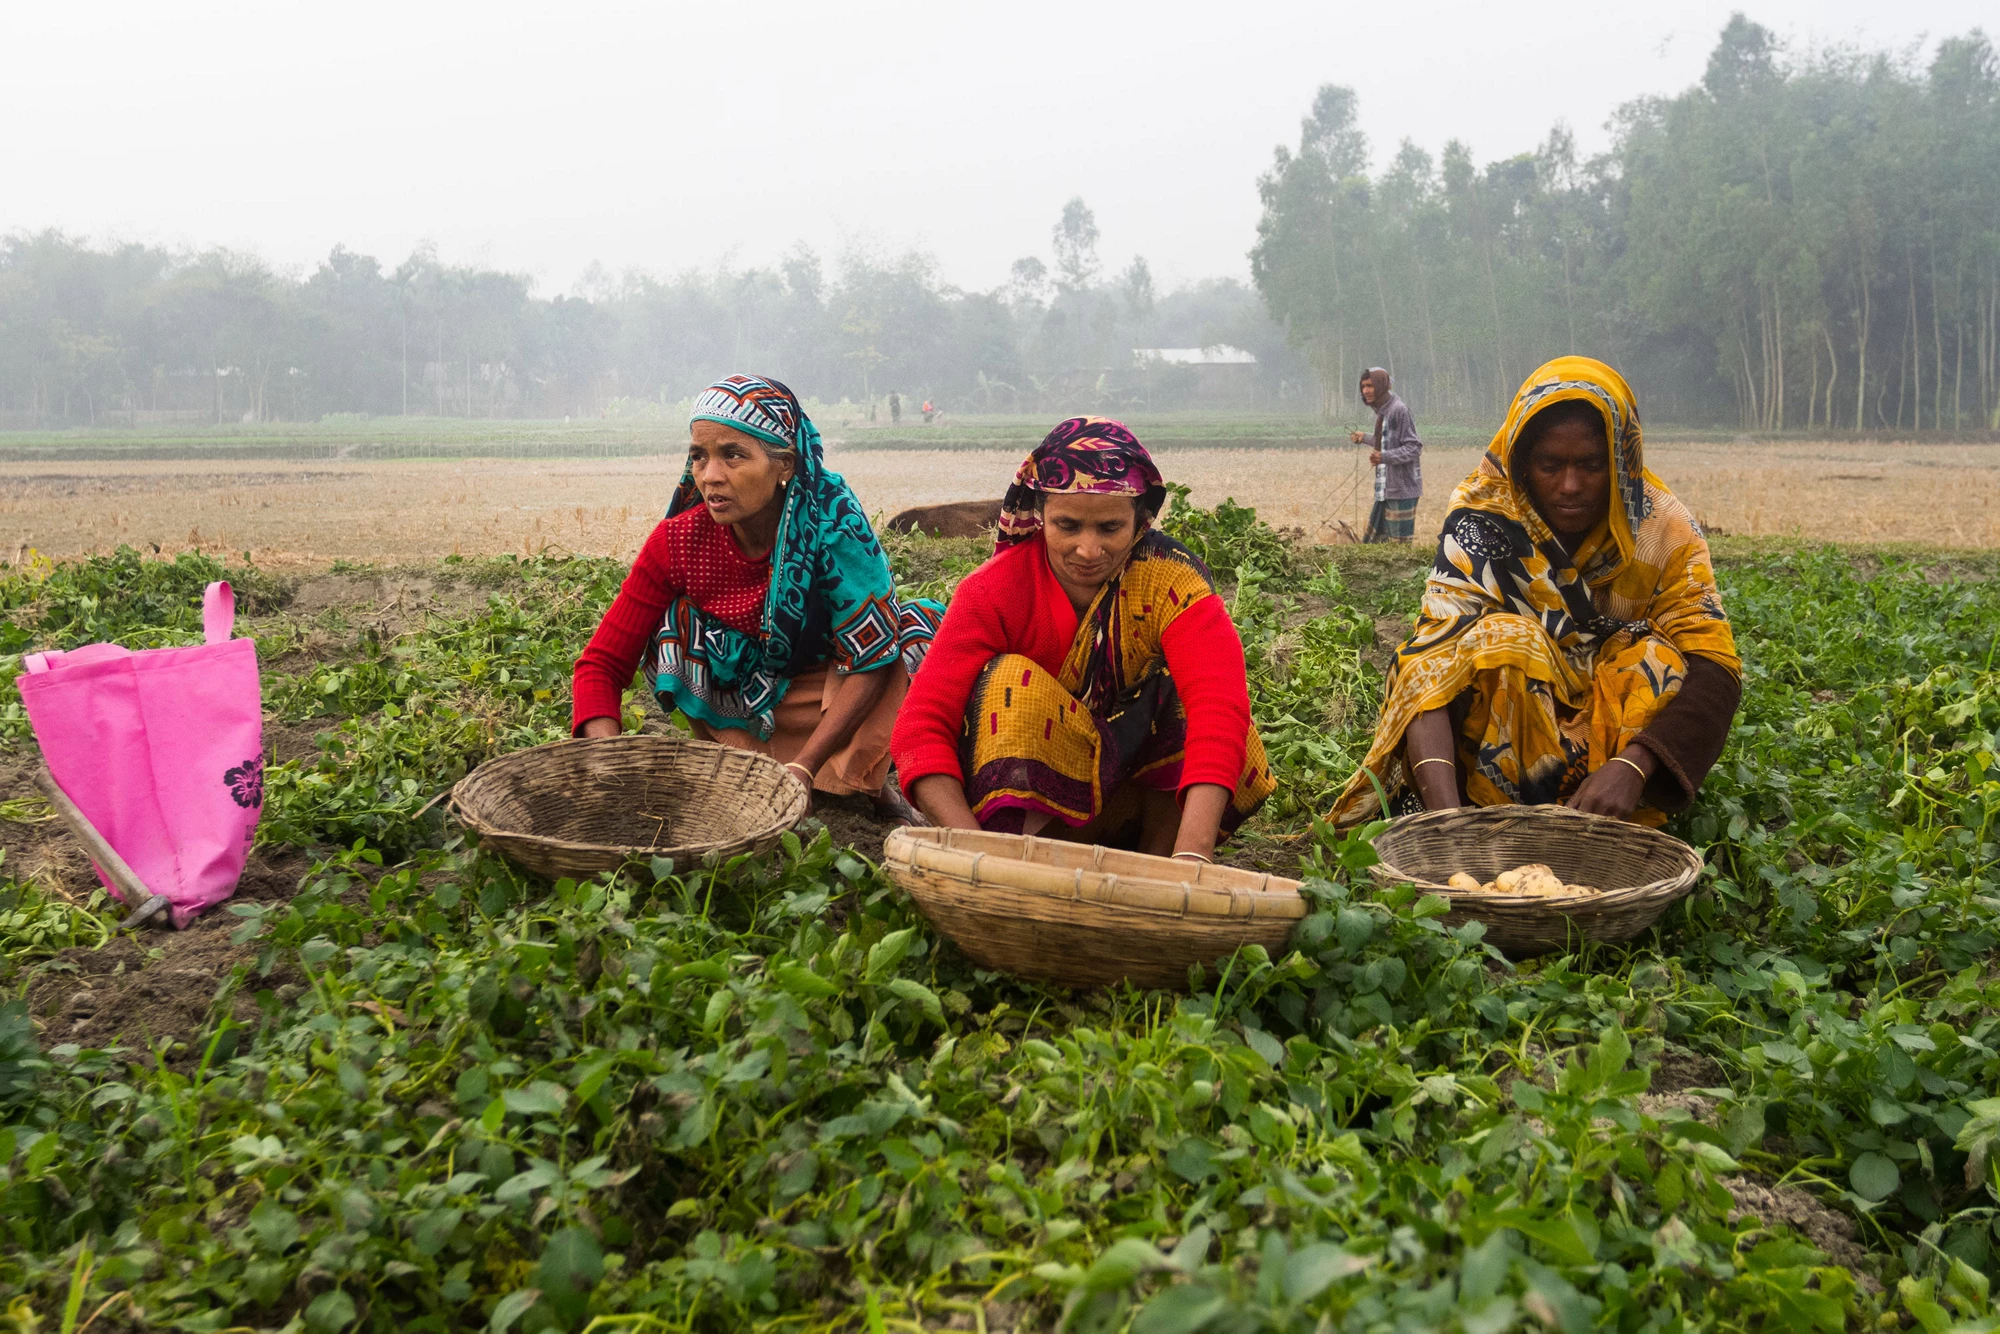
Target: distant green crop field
{"points": [[370, 438]]}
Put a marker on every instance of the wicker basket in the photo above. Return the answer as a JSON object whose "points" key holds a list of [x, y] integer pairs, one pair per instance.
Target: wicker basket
{"points": [[1640, 870], [1082, 915], [579, 807]]}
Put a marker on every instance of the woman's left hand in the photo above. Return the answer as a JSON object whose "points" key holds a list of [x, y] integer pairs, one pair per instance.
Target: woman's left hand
{"points": [[1615, 790]]}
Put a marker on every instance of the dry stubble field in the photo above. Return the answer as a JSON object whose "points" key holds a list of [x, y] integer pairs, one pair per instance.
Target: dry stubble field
{"points": [[309, 514]]}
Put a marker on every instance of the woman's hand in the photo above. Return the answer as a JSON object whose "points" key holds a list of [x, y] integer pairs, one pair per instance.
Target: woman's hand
{"points": [[942, 800], [1615, 789], [602, 727]]}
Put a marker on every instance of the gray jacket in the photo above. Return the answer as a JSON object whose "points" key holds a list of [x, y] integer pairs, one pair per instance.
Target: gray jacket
{"points": [[1402, 451]]}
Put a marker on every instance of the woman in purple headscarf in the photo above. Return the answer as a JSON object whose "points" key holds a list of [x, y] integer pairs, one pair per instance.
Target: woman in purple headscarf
{"points": [[1087, 682]]}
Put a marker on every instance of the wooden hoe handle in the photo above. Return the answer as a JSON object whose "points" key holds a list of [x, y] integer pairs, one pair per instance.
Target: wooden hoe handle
{"points": [[145, 906]]}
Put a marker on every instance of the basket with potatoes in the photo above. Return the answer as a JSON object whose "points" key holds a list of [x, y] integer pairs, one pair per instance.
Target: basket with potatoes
{"points": [[1540, 878]]}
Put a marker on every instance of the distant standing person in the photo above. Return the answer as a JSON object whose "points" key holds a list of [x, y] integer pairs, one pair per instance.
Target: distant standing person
{"points": [[895, 409], [929, 412], [1398, 460]]}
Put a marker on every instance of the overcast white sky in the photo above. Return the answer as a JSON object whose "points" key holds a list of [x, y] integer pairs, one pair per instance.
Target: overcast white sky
{"points": [[671, 135]]}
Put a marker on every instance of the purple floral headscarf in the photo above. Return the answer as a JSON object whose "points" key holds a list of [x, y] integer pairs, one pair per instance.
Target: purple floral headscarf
{"points": [[1082, 456]]}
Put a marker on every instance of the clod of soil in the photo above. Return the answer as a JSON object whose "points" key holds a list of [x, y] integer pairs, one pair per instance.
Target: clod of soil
{"points": [[1757, 1196]]}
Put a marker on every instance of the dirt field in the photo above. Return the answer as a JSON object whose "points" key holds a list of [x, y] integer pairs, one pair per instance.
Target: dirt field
{"points": [[304, 515]]}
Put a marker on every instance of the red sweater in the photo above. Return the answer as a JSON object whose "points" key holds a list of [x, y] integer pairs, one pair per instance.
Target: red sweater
{"points": [[689, 553], [1013, 604]]}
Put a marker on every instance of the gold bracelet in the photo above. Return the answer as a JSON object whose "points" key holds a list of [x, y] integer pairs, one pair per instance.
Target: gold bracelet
{"points": [[1197, 856], [1620, 759], [794, 764], [1435, 759]]}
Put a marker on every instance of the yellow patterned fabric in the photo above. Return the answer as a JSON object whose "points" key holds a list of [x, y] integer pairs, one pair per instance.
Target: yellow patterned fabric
{"points": [[1551, 662], [1066, 743]]}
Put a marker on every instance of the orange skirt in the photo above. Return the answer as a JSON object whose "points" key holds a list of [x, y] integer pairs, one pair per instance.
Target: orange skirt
{"points": [[862, 765]]}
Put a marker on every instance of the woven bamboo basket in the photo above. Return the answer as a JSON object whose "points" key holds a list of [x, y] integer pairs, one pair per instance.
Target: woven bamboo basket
{"points": [[1082, 915], [576, 808], [1641, 871]]}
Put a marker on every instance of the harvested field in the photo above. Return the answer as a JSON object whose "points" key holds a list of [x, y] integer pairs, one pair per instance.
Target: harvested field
{"points": [[404, 510], [727, 1064]]}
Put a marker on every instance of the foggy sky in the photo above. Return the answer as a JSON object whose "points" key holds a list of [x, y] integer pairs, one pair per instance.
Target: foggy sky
{"points": [[539, 138]]}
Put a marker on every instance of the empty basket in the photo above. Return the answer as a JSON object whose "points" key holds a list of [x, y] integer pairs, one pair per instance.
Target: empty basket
{"points": [[1640, 871], [576, 808], [1083, 915]]}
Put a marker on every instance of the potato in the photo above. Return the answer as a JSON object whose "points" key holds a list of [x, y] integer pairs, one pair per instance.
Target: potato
{"points": [[1532, 880], [1509, 882]]}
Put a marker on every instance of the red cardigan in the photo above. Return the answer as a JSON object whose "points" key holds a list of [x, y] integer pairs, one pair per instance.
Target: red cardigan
{"points": [[1013, 604], [690, 553]]}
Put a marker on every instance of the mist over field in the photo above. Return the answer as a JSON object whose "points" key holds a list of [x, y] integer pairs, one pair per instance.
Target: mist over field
{"points": [[1803, 238]]}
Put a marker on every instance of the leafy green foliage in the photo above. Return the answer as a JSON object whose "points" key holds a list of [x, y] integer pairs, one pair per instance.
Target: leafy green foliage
{"points": [[1230, 539], [764, 1094]]}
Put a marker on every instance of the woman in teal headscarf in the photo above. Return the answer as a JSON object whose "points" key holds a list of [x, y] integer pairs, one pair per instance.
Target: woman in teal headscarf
{"points": [[762, 606]]}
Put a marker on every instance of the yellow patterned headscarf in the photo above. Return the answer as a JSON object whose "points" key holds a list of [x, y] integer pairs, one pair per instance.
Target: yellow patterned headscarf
{"points": [[1645, 569]]}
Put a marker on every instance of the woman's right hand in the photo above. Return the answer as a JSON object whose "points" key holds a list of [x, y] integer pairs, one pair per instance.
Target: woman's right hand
{"points": [[601, 727]]}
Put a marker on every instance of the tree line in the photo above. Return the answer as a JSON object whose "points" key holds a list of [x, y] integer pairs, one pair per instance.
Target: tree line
{"points": [[1807, 241], [137, 333]]}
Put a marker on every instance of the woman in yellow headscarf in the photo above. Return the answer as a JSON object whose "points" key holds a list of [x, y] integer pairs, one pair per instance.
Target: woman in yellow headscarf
{"points": [[1572, 645]]}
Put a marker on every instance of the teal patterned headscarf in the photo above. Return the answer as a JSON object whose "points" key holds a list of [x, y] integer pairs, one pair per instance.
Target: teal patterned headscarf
{"points": [[831, 595]]}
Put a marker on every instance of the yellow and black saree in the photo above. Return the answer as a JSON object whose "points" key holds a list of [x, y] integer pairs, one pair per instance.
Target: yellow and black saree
{"points": [[1551, 662]]}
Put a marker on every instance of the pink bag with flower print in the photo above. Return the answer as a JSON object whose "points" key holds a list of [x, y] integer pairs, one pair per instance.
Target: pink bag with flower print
{"points": [[162, 750]]}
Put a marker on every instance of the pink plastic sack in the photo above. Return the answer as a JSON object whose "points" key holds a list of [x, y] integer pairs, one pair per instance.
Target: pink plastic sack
{"points": [[162, 750]]}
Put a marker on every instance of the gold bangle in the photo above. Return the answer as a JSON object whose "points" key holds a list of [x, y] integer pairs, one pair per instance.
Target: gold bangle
{"points": [[794, 764], [1620, 759], [1197, 856], [1435, 759]]}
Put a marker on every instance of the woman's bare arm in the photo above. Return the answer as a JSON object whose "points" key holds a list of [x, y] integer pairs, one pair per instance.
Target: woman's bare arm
{"points": [[857, 697], [1201, 818], [942, 800], [1429, 738]]}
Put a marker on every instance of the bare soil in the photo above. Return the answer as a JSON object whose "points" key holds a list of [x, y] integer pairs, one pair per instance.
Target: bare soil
{"points": [[157, 983], [1758, 1196], [398, 511]]}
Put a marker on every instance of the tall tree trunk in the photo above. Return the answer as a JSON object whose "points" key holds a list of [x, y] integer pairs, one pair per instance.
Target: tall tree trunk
{"points": [[1749, 411], [1812, 395], [1861, 357], [1833, 376], [1778, 346], [1916, 357], [1958, 377], [1937, 346]]}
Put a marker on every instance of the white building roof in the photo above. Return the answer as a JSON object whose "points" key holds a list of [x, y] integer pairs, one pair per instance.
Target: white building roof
{"points": [[1218, 354]]}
